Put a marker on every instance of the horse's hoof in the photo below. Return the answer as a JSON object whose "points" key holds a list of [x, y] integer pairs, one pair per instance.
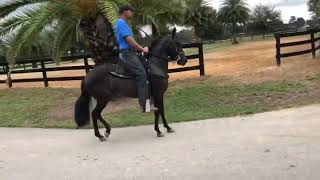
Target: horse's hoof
{"points": [[106, 135], [160, 135], [170, 131], [102, 139]]}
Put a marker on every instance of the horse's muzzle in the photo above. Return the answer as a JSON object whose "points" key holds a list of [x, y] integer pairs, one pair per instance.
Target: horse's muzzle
{"points": [[182, 60]]}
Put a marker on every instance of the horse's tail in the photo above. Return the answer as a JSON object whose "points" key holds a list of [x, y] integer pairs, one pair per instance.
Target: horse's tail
{"points": [[82, 111]]}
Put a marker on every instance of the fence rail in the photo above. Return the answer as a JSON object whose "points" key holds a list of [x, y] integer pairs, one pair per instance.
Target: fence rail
{"points": [[86, 67], [313, 41]]}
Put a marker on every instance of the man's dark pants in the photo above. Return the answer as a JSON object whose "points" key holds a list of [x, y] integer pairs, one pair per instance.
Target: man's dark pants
{"points": [[134, 66]]}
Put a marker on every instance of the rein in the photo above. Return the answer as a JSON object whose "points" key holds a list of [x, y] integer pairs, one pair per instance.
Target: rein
{"points": [[157, 56], [165, 59]]}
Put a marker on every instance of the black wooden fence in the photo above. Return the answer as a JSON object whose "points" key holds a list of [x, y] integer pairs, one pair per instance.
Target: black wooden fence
{"points": [[4, 70], [313, 41]]}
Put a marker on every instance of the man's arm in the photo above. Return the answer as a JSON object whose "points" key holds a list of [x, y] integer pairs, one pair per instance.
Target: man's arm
{"points": [[137, 46]]}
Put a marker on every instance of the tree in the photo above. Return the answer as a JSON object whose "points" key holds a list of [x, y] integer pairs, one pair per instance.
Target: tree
{"points": [[300, 22], [158, 14], [297, 22], [25, 20], [314, 21], [292, 20], [203, 18], [264, 19], [314, 7], [235, 12]]}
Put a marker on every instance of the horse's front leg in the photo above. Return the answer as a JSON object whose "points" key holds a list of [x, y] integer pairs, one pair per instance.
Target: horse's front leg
{"points": [[156, 124], [164, 120]]}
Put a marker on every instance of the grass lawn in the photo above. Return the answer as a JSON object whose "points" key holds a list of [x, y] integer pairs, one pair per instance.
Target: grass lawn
{"points": [[186, 101]]}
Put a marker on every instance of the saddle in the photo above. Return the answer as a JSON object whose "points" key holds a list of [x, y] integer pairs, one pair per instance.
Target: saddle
{"points": [[122, 73]]}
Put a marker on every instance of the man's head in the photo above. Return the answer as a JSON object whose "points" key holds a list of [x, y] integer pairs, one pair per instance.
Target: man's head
{"points": [[126, 11]]}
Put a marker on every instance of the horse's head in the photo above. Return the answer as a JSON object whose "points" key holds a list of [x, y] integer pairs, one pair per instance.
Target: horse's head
{"points": [[175, 50], [169, 48]]}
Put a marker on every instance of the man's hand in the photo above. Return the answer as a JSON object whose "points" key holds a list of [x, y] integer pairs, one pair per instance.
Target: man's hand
{"points": [[137, 46], [145, 50]]}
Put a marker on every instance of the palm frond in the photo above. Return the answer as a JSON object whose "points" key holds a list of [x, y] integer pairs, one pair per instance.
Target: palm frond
{"points": [[13, 22], [28, 32], [8, 7], [110, 9], [65, 36]]}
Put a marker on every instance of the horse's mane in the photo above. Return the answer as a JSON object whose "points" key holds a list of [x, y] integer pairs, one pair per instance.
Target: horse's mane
{"points": [[156, 41]]}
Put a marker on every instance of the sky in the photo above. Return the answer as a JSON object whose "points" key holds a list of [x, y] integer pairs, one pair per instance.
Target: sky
{"points": [[288, 8]]}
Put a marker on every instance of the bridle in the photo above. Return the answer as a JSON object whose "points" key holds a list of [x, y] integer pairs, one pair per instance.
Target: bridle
{"points": [[177, 58], [179, 53]]}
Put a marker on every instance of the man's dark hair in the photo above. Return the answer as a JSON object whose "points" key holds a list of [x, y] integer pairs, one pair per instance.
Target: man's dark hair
{"points": [[124, 8]]}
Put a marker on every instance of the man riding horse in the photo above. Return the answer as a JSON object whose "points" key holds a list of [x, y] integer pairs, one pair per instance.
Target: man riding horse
{"points": [[103, 83], [130, 58]]}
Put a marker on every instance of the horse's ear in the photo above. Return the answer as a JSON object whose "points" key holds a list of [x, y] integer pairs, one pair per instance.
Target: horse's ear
{"points": [[174, 33]]}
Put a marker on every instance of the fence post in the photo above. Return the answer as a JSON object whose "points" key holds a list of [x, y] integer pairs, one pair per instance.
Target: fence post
{"points": [[313, 45], [9, 80], [86, 65], [201, 60], [44, 73], [278, 55]]}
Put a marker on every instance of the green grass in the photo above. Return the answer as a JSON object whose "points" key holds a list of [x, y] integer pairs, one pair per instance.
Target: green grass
{"points": [[31, 107], [185, 101], [208, 101]]}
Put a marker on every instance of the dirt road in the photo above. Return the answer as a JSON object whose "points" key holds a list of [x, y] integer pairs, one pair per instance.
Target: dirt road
{"points": [[281, 145]]}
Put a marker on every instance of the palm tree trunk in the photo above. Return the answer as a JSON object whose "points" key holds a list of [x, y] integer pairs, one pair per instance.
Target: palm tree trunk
{"points": [[234, 38], [103, 44]]}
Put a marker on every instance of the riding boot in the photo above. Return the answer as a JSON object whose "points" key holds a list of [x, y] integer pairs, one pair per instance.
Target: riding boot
{"points": [[143, 96], [144, 99], [134, 66]]}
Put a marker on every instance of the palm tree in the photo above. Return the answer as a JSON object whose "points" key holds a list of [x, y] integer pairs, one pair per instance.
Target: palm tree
{"points": [[158, 14], [25, 20], [201, 16], [264, 19], [234, 12]]}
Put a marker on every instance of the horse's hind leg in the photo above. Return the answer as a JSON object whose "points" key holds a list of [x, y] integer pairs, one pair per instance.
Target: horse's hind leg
{"points": [[104, 122], [107, 125], [96, 114]]}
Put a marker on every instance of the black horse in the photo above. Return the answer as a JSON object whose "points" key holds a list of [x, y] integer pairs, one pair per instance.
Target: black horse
{"points": [[102, 84]]}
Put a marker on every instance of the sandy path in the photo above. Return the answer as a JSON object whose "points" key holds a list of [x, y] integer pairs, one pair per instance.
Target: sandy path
{"points": [[282, 145]]}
